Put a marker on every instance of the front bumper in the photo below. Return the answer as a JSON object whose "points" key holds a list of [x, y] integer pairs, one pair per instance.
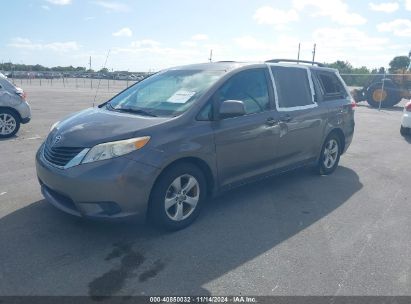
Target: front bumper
{"points": [[25, 112], [114, 188], [406, 120]]}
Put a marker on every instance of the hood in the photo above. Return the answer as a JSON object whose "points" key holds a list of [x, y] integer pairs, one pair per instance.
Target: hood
{"points": [[94, 126]]}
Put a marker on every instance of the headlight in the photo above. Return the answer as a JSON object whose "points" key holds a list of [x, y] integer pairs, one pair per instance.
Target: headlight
{"points": [[54, 125], [115, 149]]}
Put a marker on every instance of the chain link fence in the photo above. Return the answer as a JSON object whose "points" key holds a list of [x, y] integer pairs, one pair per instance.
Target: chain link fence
{"points": [[75, 83]]}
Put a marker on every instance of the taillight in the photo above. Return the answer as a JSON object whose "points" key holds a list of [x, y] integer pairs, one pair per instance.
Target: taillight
{"points": [[408, 107]]}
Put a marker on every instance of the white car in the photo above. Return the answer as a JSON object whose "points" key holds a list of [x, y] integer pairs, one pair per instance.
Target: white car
{"points": [[406, 120], [14, 109]]}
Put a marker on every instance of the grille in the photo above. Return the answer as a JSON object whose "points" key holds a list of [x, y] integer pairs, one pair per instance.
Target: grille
{"points": [[60, 156]]}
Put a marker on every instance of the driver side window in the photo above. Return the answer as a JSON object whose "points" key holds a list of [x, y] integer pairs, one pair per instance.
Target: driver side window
{"points": [[250, 87]]}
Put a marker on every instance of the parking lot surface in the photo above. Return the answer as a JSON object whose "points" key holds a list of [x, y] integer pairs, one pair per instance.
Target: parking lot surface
{"points": [[296, 234]]}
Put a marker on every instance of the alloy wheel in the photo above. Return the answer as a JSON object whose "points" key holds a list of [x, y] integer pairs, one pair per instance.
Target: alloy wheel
{"points": [[182, 197], [330, 155], [7, 124]]}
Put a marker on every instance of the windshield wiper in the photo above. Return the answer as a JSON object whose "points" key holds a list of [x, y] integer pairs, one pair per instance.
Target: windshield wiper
{"points": [[136, 111], [109, 106]]}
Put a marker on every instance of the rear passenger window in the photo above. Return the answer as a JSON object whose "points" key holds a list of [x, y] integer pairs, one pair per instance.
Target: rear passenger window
{"points": [[250, 87], [293, 87], [331, 86]]}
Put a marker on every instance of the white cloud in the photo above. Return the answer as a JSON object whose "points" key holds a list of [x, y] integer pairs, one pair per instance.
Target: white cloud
{"points": [[408, 5], [347, 38], [189, 44], [250, 43], [59, 2], [45, 7], [155, 56], [199, 37], [273, 16], [113, 6], [24, 43], [145, 43], [386, 7], [337, 10], [124, 32], [399, 27]]}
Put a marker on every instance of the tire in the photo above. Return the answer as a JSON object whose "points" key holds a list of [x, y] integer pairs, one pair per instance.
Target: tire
{"points": [[330, 155], [183, 208], [389, 98], [404, 131], [9, 123]]}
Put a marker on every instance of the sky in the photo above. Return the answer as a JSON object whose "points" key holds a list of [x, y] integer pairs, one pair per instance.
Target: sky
{"points": [[151, 35]]}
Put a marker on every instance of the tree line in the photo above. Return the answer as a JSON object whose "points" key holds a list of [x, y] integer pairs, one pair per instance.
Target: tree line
{"points": [[361, 76], [398, 64]]}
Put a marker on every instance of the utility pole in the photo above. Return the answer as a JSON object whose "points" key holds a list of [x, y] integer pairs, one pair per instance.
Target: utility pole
{"points": [[90, 64], [315, 47], [299, 50], [211, 56]]}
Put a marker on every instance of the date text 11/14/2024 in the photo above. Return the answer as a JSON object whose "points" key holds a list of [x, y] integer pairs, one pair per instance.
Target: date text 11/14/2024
{"points": [[204, 299]]}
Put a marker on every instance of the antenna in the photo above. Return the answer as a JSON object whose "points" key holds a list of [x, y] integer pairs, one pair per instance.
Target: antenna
{"points": [[211, 56], [99, 81], [299, 50], [315, 47]]}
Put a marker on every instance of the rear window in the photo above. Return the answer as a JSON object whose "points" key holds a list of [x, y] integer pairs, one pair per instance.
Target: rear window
{"points": [[293, 87], [331, 86]]}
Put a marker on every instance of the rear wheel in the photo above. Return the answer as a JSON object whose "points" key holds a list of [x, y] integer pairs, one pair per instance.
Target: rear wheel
{"points": [[9, 123], [330, 155], [177, 197], [388, 97]]}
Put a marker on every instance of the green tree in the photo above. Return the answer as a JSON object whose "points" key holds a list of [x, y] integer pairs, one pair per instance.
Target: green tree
{"points": [[399, 63], [344, 67], [103, 70]]}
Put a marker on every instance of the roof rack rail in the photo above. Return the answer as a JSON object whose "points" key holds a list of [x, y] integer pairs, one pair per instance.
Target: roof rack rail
{"points": [[296, 61]]}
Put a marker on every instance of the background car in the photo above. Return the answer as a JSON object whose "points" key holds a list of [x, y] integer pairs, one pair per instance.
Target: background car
{"points": [[406, 120], [14, 109]]}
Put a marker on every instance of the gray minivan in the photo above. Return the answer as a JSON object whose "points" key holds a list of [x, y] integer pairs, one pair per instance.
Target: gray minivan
{"points": [[161, 147], [14, 109]]}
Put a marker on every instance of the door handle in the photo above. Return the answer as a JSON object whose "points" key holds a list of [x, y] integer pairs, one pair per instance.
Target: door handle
{"points": [[271, 121], [286, 118]]}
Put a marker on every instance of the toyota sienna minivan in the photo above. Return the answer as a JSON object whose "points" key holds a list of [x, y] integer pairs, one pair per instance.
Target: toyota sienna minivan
{"points": [[161, 147]]}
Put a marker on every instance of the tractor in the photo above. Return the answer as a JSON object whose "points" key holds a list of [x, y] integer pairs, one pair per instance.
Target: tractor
{"points": [[388, 90]]}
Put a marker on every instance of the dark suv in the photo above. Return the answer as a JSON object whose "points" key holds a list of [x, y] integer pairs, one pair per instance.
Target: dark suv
{"points": [[162, 146]]}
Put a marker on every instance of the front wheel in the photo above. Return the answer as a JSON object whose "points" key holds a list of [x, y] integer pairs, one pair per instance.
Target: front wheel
{"points": [[177, 197], [9, 123], [404, 131], [330, 155]]}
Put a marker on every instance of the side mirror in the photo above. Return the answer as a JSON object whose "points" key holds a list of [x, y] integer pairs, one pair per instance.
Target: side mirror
{"points": [[231, 108]]}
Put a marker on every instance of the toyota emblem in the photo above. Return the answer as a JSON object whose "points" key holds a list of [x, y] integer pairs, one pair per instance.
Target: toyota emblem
{"points": [[57, 139]]}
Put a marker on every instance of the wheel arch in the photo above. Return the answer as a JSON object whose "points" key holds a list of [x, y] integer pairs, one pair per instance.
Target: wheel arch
{"points": [[198, 162], [341, 137], [12, 110]]}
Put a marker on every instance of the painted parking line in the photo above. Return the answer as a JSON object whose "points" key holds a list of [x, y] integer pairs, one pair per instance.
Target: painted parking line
{"points": [[32, 138], [22, 138]]}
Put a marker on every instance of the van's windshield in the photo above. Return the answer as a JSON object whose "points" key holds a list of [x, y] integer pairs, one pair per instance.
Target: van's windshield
{"points": [[168, 93]]}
